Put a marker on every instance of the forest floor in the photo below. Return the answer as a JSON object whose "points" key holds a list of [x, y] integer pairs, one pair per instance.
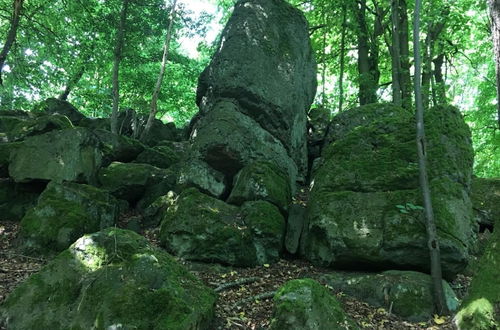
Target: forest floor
{"points": [[245, 294]]}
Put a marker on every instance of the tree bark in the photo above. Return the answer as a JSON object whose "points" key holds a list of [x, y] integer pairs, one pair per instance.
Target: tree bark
{"points": [[432, 238], [404, 52], [11, 34], [120, 36], [367, 60], [156, 91], [494, 6], [342, 57], [395, 54]]}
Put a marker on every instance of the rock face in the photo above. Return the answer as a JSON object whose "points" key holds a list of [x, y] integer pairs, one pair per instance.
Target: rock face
{"points": [[55, 106], [71, 154], [65, 212], [199, 227], [481, 308], [110, 280], [306, 305], [485, 197], [363, 207], [408, 294], [262, 79]]}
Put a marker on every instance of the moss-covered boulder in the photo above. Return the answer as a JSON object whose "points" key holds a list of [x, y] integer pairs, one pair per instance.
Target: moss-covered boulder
{"points": [[159, 156], [16, 199], [228, 140], [261, 181], [480, 310], [118, 148], [364, 207], [129, 181], [55, 106], [37, 126], [407, 294], [266, 64], [485, 196], [195, 173], [113, 279], [200, 227], [304, 304], [71, 154], [65, 212]]}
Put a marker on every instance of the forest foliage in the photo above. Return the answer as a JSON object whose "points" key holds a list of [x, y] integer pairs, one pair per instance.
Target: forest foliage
{"points": [[69, 45]]}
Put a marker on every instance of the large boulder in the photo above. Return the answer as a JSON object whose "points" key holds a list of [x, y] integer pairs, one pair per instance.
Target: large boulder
{"points": [[118, 148], [129, 181], [481, 307], [364, 206], [159, 156], [228, 140], [55, 106], [407, 294], [304, 304], [65, 212], [266, 64], [6, 148], [113, 279], [485, 196], [195, 173], [71, 154], [200, 227], [261, 181], [37, 126]]}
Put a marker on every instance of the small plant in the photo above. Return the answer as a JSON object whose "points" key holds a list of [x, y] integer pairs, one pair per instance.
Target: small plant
{"points": [[408, 207]]}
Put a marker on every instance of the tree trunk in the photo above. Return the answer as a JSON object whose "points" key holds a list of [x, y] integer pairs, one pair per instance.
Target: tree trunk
{"points": [[404, 52], [120, 36], [432, 238], [367, 77], [395, 54], [494, 6], [342, 57], [439, 84], [11, 34], [156, 91], [72, 83]]}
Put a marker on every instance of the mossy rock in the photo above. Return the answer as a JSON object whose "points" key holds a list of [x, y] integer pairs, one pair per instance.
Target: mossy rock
{"points": [[37, 126], [199, 227], [194, 173], [369, 168], [16, 199], [407, 294], [5, 150], [349, 229], [261, 181], [71, 154], [61, 107], [480, 310], [304, 304], [129, 181], [485, 196], [159, 156], [113, 279], [118, 148], [95, 123], [65, 212]]}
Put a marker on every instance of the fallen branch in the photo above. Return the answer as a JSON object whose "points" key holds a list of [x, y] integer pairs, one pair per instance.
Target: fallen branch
{"points": [[261, 296], [241, 281]]}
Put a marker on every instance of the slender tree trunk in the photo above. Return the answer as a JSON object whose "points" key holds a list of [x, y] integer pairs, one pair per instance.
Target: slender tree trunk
{"points": [[427, 73], [367, 83], [120, 36], [404, 52], [323, 69], [439, 85], [72, 83], [494, 6], [156, 91], [342, 57], [395, 54], [433, 242], [11, 34]]}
